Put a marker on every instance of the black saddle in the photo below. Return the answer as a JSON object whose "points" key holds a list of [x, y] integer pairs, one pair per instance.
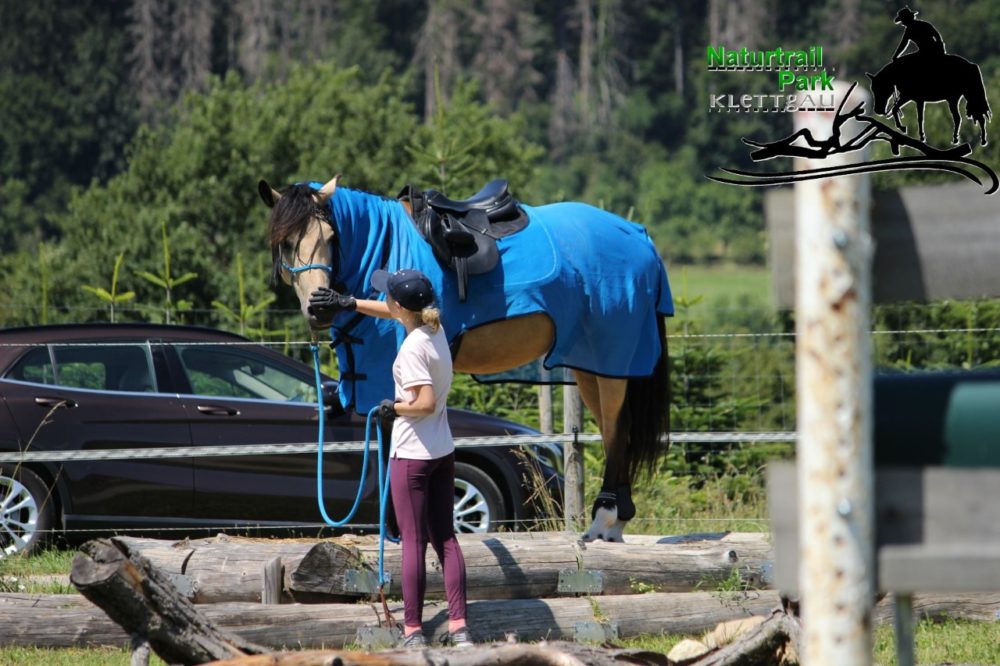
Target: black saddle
{"points": [[463, 234]]}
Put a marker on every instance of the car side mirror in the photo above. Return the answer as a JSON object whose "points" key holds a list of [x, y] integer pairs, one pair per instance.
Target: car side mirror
{"points": [[331, 398]]}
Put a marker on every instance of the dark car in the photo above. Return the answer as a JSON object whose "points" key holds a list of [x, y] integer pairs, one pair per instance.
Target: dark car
{"points": [[139, 386]]}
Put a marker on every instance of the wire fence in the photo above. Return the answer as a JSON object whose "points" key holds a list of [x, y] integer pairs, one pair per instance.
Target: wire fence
{"points": [[733, 381], [732, 367]]}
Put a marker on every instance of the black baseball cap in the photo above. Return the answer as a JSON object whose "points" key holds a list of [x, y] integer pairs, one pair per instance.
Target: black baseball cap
{"points": [[410, 288]]}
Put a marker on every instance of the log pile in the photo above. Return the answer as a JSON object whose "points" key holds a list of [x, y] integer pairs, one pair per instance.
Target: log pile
{"points": [[68, 620], [498, 566], [147, 591]]}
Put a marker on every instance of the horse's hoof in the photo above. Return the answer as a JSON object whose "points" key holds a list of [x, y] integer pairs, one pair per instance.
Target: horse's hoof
{"points": [[617, 533], [603, 526]]}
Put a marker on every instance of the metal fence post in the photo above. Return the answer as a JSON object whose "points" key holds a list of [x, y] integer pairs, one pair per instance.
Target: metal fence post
{"points": [[573, 456], [833, 377], [545, 400]]}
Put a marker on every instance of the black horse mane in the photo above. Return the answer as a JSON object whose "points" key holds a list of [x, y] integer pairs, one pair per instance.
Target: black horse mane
{"points": [[291, 214]]}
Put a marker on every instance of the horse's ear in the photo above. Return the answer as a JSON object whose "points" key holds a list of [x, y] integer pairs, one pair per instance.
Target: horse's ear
{"points": [[327, 190], [870, 75], [268, 193]]}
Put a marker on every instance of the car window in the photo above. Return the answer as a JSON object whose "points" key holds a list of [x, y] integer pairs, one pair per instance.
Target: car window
{"points": [[102, 367], [240, 373]]}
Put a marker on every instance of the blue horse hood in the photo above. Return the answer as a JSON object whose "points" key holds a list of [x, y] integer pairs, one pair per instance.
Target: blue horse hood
{"points": [[596, 275]]}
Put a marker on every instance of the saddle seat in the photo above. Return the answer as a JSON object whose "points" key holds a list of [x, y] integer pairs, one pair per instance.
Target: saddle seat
{"points": [[494, 199], [463, 233]]}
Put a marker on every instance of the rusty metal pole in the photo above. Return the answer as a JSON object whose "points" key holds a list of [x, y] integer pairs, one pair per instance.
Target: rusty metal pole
{"points": [[833, 385], [573, 457]]}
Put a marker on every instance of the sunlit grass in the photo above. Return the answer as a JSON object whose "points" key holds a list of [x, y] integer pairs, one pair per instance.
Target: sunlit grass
{"points": [[721, 286], [97, 656]]}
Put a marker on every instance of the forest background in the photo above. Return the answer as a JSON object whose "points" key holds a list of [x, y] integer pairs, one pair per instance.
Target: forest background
{"points": [[133, 132]]}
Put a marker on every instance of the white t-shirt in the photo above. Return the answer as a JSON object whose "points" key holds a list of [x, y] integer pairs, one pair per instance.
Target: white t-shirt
{"points": [[424, 358]]}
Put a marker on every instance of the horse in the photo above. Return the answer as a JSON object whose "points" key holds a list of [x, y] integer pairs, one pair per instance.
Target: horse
{"points": [[530, 306], [922, 78]]}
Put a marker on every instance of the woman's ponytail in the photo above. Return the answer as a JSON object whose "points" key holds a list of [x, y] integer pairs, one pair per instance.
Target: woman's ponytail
{"points": [[431, 316]]}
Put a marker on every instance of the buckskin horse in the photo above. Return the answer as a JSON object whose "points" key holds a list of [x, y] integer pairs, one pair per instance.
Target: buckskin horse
{"points": [[922, 78], [579, 286]]}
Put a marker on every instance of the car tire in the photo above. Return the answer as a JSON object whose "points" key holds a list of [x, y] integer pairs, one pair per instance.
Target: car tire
{"points": [[27, 511], [479, 506]]}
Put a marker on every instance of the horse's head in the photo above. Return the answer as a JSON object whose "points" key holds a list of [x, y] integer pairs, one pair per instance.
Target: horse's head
{"points": [[882, 91], [302, 238]]}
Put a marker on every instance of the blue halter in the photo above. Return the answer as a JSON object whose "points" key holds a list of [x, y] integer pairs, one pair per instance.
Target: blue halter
{"points": [[294, 270]]}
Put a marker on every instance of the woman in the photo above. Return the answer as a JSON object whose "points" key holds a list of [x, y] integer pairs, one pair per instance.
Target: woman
{"points": [[422, 457]]}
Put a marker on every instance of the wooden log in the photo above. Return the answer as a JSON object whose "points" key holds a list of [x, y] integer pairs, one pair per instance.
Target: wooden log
{"points": [[498, 566], [71, 621], [551, 654], [51, 622], [273, 583], [145, 603], [760, 646]]}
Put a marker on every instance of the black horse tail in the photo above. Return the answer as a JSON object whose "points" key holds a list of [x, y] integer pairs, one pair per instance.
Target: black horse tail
{"points": [[647, 407], [977, 107]]}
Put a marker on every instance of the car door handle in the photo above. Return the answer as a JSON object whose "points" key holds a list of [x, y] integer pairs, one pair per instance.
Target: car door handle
{"points": [[46, 401], [215, 410]]}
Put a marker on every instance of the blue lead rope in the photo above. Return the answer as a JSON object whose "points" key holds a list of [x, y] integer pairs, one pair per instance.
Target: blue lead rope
{"points": [[383, 477]]}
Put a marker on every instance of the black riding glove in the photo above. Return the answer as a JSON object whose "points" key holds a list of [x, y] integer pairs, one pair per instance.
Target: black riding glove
{"points": [[387, 410], [326, 303]]}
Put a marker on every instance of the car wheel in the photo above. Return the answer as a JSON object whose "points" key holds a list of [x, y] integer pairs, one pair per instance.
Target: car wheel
{"points": [[27, 513], [478, 503]]}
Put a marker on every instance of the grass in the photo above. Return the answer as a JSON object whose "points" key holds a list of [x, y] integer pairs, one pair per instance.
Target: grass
{"points": [[721, 286], [18, 573], [97, 656]]}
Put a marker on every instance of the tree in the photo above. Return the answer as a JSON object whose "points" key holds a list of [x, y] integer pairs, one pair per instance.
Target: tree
{"points": [[197, 175], [67, 111]]}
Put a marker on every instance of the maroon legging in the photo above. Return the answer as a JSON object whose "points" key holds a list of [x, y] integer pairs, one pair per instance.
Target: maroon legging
{"points": [[423, 494]]}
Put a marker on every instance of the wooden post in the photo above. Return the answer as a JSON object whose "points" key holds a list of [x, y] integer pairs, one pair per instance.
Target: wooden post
{"points": [[545, 400], [573, 456], [834, 381], [273, 584]]}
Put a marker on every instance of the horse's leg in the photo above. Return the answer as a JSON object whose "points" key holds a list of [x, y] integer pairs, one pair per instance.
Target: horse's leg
{"points": [[956, 118], [606, 398], [920, 119]]}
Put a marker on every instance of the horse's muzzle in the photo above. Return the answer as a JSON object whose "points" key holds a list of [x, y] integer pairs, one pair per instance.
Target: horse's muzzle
{"points": [[318, 323]]}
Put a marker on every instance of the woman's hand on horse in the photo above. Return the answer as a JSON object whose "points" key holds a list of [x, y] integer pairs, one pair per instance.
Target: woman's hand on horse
{"points": [[325, 302]]}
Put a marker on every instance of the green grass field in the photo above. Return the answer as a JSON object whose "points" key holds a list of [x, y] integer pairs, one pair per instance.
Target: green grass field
{"points": [[721, 286]]}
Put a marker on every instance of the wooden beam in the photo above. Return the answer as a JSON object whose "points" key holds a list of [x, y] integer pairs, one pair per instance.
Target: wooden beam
{"points": [[69, 620], [498, 566]]}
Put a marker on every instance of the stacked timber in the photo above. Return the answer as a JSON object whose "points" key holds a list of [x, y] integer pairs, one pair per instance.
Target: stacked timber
{"points": [[69, 620], [195, 600], [498, 566]]}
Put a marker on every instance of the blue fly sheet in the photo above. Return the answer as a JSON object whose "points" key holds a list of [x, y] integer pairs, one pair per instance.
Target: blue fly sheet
{"points": [[597, 276]]}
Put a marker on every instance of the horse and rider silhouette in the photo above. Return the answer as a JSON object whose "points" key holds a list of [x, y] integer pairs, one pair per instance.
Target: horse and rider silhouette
{"points": [[931, 74]]}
